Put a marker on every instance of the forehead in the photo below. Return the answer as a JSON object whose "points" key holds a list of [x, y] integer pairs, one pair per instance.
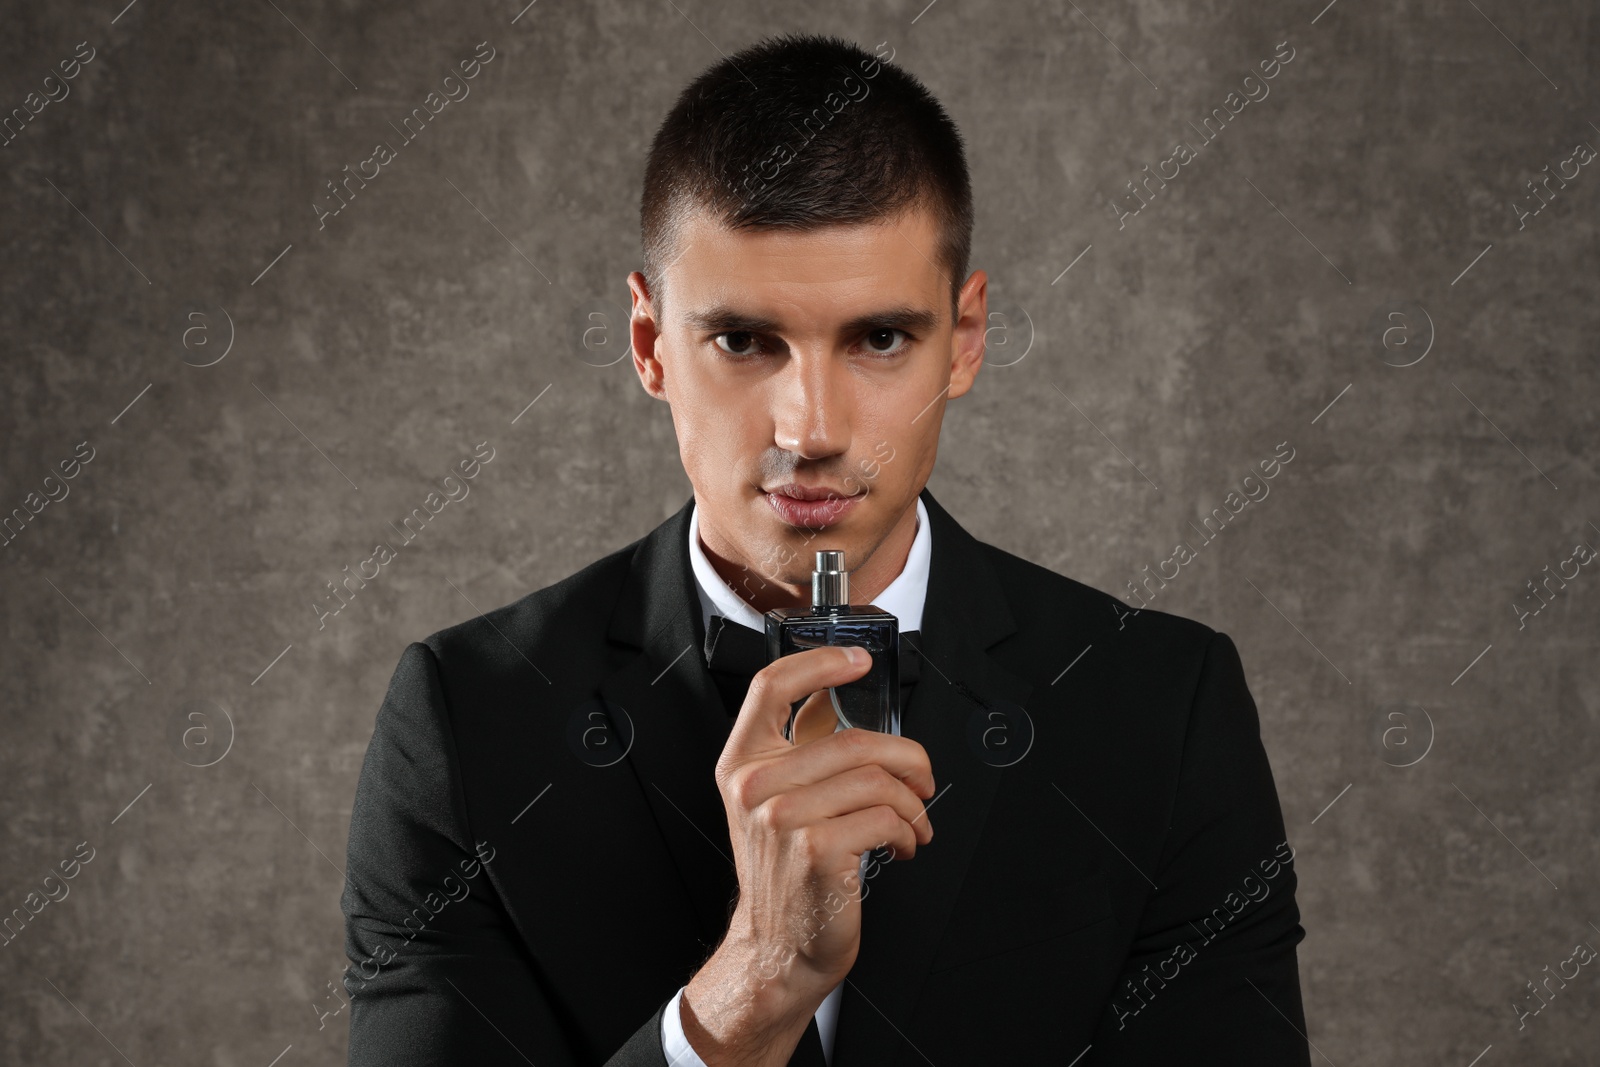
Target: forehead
{"points": [[789, 276]]}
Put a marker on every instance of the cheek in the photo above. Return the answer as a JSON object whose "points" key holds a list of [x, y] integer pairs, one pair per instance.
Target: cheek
{"points": [[895, 457], [718, 445]]}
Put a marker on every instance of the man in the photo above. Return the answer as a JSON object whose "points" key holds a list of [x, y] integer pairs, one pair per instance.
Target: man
{"points": [[580, 834]]}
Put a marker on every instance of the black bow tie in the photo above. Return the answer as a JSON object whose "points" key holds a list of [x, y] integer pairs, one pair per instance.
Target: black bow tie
{"points": [[734, 648]]}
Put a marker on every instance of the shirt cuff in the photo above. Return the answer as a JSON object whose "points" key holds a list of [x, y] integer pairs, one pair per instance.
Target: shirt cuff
{"points": [[673, 1042]]}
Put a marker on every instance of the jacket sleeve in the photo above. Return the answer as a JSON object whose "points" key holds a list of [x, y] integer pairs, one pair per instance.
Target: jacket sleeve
{"points": [[1212, 970], [437, 973]]}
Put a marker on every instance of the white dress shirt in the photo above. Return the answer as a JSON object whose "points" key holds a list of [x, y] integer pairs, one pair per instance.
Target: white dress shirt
{"points": [[903, 599]]}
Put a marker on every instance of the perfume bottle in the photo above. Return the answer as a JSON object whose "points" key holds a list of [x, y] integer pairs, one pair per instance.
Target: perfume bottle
{"points": [[871, 702]]}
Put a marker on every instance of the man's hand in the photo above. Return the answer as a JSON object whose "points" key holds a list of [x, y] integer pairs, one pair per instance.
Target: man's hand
{"points": [[799, 816]]}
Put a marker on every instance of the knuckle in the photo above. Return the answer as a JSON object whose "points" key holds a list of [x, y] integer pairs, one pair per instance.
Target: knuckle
{"points": [[807, 848], [776, 811], [874, 780], [762, 685], [856, 743], [741, 789]]}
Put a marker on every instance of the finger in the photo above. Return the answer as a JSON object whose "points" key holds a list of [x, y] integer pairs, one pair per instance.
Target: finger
{"points": [[856, 789], [843, 750], [869, 829], [775, 688]]}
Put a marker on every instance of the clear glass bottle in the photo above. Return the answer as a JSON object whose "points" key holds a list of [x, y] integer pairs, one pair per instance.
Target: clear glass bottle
{"points": [[871, 702]]}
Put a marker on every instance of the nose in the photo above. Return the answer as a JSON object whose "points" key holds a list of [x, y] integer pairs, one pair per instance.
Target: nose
{"points": [[813, 406]]}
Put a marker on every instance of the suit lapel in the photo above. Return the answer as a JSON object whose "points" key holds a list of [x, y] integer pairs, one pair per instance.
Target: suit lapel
{"points": [[909, 904], [679, 723]]}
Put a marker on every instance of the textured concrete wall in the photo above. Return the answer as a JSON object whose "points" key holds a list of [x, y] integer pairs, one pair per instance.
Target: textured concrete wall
{"points": [[247, 394]]}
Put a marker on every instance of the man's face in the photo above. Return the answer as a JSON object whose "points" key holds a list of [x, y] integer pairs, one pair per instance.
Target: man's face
{"points": [[799, 363]]}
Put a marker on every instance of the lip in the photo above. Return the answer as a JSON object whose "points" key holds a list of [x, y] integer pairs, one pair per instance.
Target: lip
{"points": [[797, 491], [811, 507]]}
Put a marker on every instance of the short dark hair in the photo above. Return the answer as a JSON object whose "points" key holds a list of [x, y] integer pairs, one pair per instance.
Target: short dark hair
{"points": [[802, 131]]}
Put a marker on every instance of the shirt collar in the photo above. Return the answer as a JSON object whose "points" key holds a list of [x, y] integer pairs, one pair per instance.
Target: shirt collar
{"points": [[903, 598]]}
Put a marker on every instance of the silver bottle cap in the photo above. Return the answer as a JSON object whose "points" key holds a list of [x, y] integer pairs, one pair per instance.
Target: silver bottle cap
{"points": [[830, 582]]}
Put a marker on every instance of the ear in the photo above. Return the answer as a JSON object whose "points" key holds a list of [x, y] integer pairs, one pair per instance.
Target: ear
{"points": [[966, 340], [644, 332]]}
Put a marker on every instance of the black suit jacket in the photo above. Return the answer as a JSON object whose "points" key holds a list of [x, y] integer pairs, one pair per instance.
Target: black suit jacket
{"points": [[519, 894]]}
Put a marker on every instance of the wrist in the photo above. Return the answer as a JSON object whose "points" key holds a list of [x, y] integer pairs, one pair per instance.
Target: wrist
{"points": [[747, 1006]]}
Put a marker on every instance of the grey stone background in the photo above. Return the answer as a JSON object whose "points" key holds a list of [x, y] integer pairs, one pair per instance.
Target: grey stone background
{"points": [[163, 211]]}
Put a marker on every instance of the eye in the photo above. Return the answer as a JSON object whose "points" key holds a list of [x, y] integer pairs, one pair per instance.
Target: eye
{"points": [[886, 334], [745, 336]]}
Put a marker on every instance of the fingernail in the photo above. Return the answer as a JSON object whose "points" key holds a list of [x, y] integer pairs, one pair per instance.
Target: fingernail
{"points": [[858, 654]]}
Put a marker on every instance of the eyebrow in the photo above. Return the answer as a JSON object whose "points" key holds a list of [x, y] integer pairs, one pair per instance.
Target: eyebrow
{"points": [[725, 319]]}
